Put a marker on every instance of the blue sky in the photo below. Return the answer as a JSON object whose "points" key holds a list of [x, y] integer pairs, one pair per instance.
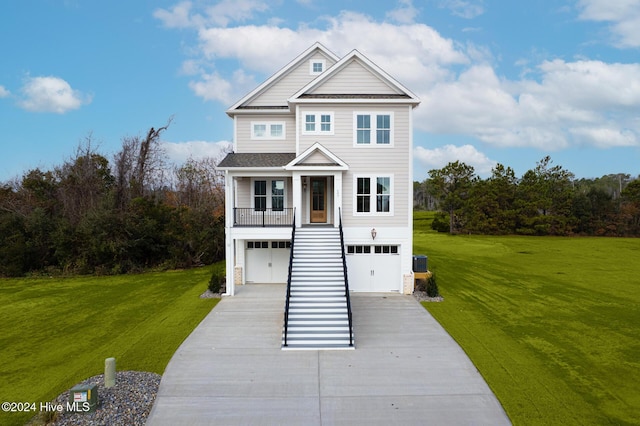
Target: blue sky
{"points": [[500, 81]]}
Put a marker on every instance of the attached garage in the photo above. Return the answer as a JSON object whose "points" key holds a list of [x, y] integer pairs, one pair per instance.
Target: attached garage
{"points": [[267, 261], [374, 268]]}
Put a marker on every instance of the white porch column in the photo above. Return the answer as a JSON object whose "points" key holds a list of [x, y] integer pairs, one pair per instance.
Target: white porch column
{"points": [[297, 197], [337, 198], [229, 249]]}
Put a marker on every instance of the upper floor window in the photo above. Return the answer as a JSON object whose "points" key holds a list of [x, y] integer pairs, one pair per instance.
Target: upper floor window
{"points": [[373, 195], [316, 66], [373, 129], [318, 123], [267, 130]]}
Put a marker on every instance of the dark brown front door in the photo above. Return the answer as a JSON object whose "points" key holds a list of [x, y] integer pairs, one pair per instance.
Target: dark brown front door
{"points": [[318, 200]]}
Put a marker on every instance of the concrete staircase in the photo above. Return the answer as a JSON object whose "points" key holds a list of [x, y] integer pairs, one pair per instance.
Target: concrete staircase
{"points": [[318, 314]]}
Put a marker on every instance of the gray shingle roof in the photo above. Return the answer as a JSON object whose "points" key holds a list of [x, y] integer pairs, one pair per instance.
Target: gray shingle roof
{"points": [[247, 159]]}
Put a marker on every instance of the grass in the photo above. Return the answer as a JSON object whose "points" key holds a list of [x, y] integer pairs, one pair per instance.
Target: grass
{"points": [[57, 332], [551, 323]]}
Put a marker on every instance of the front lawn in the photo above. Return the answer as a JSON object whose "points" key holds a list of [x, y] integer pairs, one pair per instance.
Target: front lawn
{"points": [[58, 331], [551, 323]]}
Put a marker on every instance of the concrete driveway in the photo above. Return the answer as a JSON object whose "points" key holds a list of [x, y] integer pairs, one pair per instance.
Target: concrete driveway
{"points": [[405, 370]]}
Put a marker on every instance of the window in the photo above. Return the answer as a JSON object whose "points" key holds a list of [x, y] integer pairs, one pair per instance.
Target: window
{"points": [[316, 66], [270, 130], [318, 123], [277, 195], [363, 197], [358, 249], [370, 200], [383, 194], [386, 249], [373, 129], [274, 200], [363, 129], [260, 195]]}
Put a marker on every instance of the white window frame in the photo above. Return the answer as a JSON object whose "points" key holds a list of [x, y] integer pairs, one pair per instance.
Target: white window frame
{"points": [[269, 194], [269, 130], [313, 62], [318, 123], [373, 194], [373, 118]]}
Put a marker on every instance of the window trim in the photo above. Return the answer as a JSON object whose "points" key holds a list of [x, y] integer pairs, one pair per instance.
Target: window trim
{"points": [[269, 135], [318, 123], [373, 194], [312, 62], [269, 195], [373, 129]]}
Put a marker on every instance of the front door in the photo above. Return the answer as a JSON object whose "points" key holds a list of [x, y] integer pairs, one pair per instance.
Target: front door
{"points": [[318, 200]]}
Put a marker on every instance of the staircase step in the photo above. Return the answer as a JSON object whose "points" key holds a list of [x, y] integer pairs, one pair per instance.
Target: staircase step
{"points": [[318, 316]]}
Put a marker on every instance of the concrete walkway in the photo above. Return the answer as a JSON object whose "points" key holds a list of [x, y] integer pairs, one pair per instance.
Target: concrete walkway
{"points": [[406, 370]]}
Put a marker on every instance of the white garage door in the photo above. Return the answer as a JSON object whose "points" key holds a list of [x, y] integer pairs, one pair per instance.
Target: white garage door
{"points": [[374, 268], [267, 261]]}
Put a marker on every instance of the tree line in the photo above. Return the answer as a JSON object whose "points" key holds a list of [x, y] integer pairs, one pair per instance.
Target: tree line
{"points": [[546, 200], [92, 215]]}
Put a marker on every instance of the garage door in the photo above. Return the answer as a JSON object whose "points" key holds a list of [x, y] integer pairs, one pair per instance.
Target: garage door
{"points": [[374, 268], [267, 261]]}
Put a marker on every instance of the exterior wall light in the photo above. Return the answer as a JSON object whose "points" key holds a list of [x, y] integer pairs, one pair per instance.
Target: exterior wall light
{"points": [[373, 233]]}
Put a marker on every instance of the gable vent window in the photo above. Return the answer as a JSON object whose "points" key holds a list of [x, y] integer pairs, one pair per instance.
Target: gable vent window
{"points": [[316, 66]]}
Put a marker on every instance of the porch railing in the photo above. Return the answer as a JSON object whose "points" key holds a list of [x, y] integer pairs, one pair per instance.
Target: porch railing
{"points": [[252, 217], [286, 305], [346, 280]]}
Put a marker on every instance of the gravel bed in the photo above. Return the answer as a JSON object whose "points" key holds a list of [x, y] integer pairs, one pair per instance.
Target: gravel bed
{"points": [[128, 403], [423, 297]]}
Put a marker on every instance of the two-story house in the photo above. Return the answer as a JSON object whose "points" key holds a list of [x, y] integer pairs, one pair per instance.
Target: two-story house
{"points": [[323, 145]]}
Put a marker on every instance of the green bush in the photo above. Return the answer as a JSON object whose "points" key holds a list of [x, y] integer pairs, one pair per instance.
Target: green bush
{"points": [[432, 286], [216, 281]]}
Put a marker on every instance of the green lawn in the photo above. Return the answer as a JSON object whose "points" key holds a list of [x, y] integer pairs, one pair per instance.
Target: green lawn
{"points": [[57, 332], [551, 323]]}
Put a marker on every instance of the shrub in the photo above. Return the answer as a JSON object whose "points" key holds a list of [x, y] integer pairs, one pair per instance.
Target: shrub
{"points": [[216, 281], [432, 286]]}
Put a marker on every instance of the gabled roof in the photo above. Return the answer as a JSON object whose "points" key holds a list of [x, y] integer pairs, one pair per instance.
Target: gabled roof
{"points": [[402, 94], [280, 75], [323, 159], [256, 160]]}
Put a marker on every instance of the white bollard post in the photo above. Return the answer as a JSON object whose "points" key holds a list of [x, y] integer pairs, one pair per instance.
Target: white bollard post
{"points": [[109, 372]]}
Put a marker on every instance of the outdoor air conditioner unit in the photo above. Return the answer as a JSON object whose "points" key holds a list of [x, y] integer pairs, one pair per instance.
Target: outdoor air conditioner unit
{"points": [[420, 263]]}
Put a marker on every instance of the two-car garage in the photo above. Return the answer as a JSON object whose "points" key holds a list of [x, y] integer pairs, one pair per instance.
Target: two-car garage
{"points": [[371, 268]]}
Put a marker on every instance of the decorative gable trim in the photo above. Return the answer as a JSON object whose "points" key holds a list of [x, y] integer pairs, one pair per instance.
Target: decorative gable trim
{"points": [[404, 95], [278, 76], [333, 162]]}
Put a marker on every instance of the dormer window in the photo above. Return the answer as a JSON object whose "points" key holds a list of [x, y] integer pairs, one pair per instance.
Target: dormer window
{"points": [[316, 66]]}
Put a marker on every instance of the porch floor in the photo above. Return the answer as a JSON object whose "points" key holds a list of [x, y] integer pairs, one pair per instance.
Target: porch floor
{"points": [[405, 370]]}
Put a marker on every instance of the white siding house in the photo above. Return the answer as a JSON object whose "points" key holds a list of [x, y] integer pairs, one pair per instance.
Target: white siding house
{"points": [[324, 142]]}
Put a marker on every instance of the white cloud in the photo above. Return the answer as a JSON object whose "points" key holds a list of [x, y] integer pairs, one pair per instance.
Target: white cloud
{"points": [[51, 94], [439, 157], [573, 103], [184, 14], [4, 93], [405, 13], [623, 16], [180, 152], [179, 16], [555, 104], [464, 9]]}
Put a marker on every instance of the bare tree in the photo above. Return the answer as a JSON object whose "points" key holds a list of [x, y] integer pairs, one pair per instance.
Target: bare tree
{"points": [[84, 179], [139, 166]]}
